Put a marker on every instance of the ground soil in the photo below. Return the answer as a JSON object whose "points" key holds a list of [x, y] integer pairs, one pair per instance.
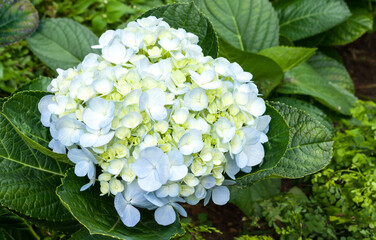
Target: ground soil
{"points": [[360, 61]]}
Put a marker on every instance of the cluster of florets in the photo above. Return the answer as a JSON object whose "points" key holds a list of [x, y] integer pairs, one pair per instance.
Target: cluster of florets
{"points": [[164, 123]]}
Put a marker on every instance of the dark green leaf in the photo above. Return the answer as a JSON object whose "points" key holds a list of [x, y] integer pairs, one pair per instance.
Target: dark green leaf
{"points": [[187, 16], [62, 43], [267, 74], [39, 84], [98, 214], [249, 25], [288, 57], [245, 198], [28, 178], [84, 234], [14, 227], [303, 79], [18, 19], [332, 71], [22, 111], [360, 21], [66, 226], [310, 109], [304, 18], [309, 148]]}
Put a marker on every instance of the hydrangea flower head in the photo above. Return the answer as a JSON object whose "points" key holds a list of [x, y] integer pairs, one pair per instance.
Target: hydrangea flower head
{"points": [[162, 123]]}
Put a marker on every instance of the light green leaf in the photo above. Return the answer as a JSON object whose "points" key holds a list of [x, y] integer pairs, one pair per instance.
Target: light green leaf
{"points": [[332, 71], [22, 111], [249, 25], [187, 16], [304, 18], [310, 109], [84, 234], [267, 74], [309, 148], [38, 84], [98, 214], [303, 79], [15, 228], [62, 43], [353, 28], [275, 148], [18, 19], [246, 198], [288, 57], [28, 178]]}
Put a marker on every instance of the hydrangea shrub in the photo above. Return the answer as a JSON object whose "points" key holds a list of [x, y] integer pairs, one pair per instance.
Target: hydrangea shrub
{"points": [[164, 123]]}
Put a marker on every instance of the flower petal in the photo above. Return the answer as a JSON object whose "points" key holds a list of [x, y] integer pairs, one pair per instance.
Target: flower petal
{"points": [[165, 215], [220, 195]]}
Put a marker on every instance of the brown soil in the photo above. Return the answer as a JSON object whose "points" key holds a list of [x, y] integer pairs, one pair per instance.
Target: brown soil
{"points": [[360, 61]]}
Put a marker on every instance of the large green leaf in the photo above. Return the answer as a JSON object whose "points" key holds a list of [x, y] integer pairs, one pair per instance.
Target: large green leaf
{"points": [[62, 43], [28, 178], [18, 19], [304, 18], [249, 25], [332, 71], [310, 109], [288, 57], [98, 214], [187, 16], [246, 198], [22, 111], [14, 227], [309, 148], [303, 79], [275, 148], [38, 84], [353, 28], [84, 234], [267, 74]]}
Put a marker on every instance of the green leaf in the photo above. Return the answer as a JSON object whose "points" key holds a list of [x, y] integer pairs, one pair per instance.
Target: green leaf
{"points": [[285, 41], [187, 16], [303, 79], [249, 25], [83, 233], [28, 178], [22, 111], [275, 148], [14, 227], [267, 74], [38, 84], [332, 71], [69, 226], [18, 19], [353, 28], [62, 43], [310, 109], [309, 148], [246, 198], [98, 214], [288, 57], [304, 18]]}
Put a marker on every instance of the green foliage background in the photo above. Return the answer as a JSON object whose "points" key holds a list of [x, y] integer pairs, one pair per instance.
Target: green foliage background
{"points": [[306, 90]]}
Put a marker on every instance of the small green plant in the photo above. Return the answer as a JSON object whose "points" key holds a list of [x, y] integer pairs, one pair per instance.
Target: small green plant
{"points": [[196, 231], [347, 188]]}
